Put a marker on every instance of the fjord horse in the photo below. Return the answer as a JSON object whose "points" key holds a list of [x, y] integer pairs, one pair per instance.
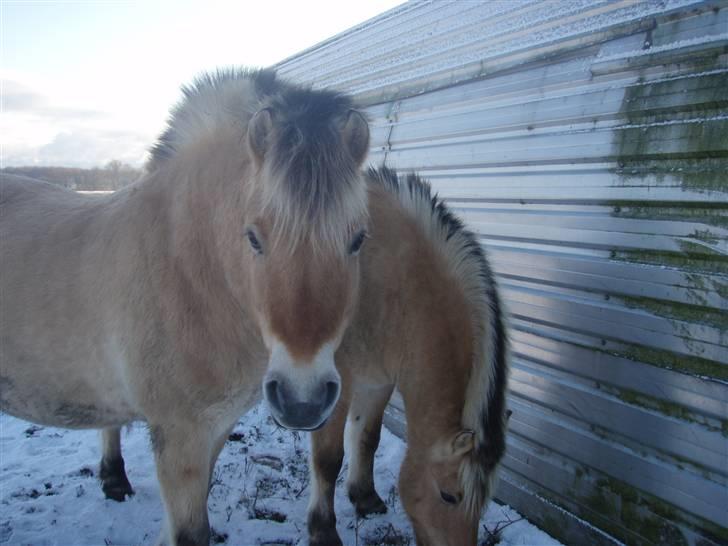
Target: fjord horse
{"points": [[228, 270], [429, 322]]}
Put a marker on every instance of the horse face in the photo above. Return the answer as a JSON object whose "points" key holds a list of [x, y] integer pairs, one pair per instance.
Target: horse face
{"points": [[432, 493], [312, 200], [305, 299]]}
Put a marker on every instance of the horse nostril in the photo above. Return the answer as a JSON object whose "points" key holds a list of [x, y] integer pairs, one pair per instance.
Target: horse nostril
{"points": [[332, 393], [272, 394]]}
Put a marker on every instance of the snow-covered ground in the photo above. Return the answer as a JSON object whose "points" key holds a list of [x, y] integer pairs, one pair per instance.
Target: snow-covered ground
{"points": [[49, 493]]}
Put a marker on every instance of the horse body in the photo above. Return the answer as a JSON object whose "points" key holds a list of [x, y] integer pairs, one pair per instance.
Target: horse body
{"points": [[103, 309], [173, 300], [428, 323]]}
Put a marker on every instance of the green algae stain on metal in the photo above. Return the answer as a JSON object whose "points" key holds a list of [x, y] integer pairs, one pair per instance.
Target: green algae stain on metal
{"points": [[661, 405], [715, 216], [676, 130], [678, 311], [694, 365], [676, 135], [655, 519], [632, 518], [691, 257]]}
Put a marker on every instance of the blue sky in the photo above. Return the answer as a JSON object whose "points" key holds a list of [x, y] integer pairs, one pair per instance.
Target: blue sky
{"points": [[84, 82]]}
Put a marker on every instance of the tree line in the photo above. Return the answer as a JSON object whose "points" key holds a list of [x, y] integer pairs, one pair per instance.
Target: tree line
{"points": [[112, 176]]}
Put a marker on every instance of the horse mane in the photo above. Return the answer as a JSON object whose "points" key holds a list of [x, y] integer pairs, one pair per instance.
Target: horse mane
{"points": [[484, 411], [313, 181]]}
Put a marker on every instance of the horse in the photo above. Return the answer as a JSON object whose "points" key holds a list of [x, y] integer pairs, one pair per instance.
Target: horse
{"points": [[230, 269], [429, 322]]}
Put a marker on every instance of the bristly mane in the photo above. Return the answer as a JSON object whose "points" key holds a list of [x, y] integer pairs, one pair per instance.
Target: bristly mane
{"points": [[226, 97], [484, 411], [312, 181]]}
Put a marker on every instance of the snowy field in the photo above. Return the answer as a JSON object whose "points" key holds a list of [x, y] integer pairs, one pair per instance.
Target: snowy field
{"points": [[49, 493]]}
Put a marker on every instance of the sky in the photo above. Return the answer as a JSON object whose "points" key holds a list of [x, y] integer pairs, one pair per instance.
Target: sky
{"points": [[85, 82]]}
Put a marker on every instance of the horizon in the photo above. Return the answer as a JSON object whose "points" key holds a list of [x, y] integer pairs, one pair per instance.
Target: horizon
{"points": [[83, 83]]}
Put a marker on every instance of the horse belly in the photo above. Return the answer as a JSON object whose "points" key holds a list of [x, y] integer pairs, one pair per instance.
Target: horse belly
{"points": [[61, 409], [63, 393]]}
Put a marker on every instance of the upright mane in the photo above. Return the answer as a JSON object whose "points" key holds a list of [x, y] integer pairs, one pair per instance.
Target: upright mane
{"points": [[312, 177], [484, 408]]}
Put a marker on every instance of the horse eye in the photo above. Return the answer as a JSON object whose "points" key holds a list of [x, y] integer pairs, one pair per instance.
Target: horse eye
{"points": [[254, 242], [448, 498], [357, 242]]}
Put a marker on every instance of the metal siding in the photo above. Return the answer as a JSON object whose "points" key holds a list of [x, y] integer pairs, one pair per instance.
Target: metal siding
{"points": [[587, 145]]}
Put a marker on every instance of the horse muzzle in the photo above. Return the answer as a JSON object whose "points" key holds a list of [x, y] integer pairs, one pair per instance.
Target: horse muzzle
{"points": [[301, 409]]}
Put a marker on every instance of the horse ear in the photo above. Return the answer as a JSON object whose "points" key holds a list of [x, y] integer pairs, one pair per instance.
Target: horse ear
{"points": [[259, 130], [463, 443], [356, 136]]}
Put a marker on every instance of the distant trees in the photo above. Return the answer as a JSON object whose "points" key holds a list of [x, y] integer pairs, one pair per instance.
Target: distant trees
{"points": [[114, 175]]}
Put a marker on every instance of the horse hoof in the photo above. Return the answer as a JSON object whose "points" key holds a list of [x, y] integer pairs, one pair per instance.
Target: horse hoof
{"points": [[368, 504], [328, 540], [117, 491], [322, 529]]}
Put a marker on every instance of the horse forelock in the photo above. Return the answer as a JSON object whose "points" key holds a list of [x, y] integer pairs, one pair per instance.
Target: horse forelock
{"points": [[484, 405], [313, 184]]}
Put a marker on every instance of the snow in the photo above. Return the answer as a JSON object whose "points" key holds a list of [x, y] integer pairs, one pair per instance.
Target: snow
{"points": [[50, 495]]}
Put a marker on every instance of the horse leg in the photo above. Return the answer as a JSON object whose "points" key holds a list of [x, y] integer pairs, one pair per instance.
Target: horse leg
{"points": [[327, 454], [216, 449], [183, 453], [363, 433], [112, 473]]}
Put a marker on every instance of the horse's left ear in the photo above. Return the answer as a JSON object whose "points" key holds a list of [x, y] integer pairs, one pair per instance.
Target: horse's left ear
{"points": [[463, 443], [259, 129], [356, 136]]}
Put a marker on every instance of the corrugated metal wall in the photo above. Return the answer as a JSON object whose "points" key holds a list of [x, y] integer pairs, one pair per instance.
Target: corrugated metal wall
{"points": [[587, 144]]}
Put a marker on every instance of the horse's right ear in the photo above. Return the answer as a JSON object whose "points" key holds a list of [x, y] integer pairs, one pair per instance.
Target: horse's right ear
{"points": [[259, 130], [356, 136]]}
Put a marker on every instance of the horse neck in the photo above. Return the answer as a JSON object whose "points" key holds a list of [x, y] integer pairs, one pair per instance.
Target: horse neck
{"points": [[205, 184], [428, 342], [198, 197]]}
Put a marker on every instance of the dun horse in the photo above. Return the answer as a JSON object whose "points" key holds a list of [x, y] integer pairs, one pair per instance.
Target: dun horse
{"points": [[232, 264], [429, 322]]}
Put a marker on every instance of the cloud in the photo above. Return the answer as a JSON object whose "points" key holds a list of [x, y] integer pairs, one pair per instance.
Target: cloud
{"points": [[21, 99], [18, 98], [83, 149], [35, 130]]}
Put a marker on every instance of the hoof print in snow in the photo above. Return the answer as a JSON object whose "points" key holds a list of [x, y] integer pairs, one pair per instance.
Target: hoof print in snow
{"points": [[85, 472], [24, 494], [218, 538], [269, 486], [268, 460], [387, 536], [6, 532], [269, 515], [236, 437], [31, 430]]}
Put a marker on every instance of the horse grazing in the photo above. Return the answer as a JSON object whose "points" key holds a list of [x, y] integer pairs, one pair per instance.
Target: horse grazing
{"points": [[429, 322], [232, 264]]}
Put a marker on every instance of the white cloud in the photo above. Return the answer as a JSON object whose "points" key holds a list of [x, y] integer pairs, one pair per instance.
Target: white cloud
{"points": [[36, 129], [97, 81], [82, 149]]}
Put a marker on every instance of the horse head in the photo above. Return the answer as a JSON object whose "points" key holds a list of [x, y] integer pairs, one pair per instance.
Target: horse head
{"points": [[305, 224]]}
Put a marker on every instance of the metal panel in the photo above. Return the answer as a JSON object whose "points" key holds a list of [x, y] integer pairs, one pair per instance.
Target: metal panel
{"points": [[587, 144]]}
